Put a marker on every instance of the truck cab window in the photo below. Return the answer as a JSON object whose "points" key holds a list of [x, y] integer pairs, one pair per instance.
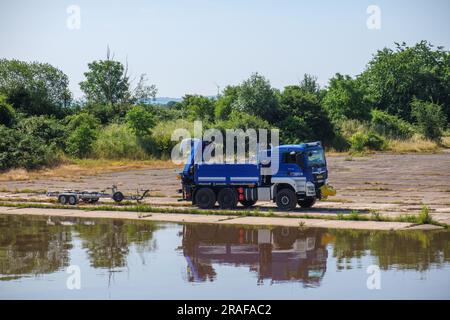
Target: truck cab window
{"points": [[289, 157]]}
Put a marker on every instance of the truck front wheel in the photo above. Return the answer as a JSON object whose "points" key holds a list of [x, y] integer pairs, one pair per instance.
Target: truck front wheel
{"points": [[307, 203], [286, 199], [205, 198]]}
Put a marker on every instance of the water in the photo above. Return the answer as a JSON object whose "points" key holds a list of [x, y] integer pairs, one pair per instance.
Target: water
{"points": [[145, 260]]}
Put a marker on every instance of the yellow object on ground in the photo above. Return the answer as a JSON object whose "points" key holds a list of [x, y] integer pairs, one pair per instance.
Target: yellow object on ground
{"points": [[327, 190]]}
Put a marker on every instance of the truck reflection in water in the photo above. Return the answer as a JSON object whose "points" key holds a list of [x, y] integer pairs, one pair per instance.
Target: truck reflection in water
{"points": [[278, 254]]}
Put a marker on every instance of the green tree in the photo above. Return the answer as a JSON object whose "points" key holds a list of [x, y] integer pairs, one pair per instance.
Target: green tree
{"points": [[106, 83], [345, 99], [140, 120], [34, 88], [256, 96], [225, 102], [7, 113], [394, 77], [198, 107], [310, 84], [430, 118], [303, 117], [244, 121]]}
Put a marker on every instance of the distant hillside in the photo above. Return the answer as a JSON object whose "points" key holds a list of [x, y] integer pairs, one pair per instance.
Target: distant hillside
{"points": [[163, 100]]}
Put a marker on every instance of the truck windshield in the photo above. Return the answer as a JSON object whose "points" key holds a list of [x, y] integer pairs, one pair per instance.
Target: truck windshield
{"points": [[316, 158]]}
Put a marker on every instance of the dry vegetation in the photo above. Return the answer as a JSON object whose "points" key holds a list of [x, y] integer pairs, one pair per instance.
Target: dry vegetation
{"points": [[417, 144], [86, 167]]}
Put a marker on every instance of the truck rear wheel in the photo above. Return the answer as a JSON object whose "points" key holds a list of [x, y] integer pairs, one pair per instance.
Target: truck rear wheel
{"points": [[247, 203], [286, 199], [307, 203], [227, 198], [205, 198]]}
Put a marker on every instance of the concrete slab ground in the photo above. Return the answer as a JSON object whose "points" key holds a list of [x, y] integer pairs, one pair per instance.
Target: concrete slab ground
{"points": [[222, 219]]}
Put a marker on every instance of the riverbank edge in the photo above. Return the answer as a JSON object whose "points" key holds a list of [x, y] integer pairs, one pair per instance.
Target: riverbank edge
{"points": [[218, 219]]}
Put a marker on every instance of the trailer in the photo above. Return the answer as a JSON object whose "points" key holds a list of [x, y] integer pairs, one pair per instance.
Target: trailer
{"points": [[300, 179], [73, 197]]}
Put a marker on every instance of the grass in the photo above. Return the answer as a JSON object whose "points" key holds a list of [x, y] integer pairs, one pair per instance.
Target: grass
{"points": [[424, 216], [415, 144], [354, 215], [2, 199], [23, 190]]}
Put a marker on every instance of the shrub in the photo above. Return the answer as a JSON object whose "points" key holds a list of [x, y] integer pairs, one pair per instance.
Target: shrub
{"points": [[361, 141], [76, 120], [390, 125], [32, 153], [424, 216], [430, 119], [6, 112], [140, 120], [160, 143], [117, 142], [49, 130], [349, 127], [79, 143], [18, 150]]}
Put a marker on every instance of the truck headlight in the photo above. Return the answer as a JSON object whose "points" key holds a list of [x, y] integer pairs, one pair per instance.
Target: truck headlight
{"points": [[310, 189]]}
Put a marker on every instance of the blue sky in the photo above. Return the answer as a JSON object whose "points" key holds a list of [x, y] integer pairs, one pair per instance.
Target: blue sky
{"points": [[190, 46]]}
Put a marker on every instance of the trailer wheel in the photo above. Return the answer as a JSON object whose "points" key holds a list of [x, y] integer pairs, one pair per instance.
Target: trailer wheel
{"points": [[227, 198], [73, 200], [247, 203], [62, 199], [118, 196], [286, 199], [205, 198], [307, 203]]}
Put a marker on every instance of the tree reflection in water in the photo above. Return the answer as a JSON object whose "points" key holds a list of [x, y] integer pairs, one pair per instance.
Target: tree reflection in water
{"points": [[108, 243], [413, 249], [32, 246], [36, 245]]}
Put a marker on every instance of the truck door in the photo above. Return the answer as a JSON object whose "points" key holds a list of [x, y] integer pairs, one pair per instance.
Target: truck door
{"points": [[289, 165]]}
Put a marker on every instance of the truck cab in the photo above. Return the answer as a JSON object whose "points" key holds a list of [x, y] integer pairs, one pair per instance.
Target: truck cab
{"points": [[300, 178]]}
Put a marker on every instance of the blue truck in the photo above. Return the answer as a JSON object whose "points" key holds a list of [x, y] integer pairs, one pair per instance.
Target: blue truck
{"points": [[301, 178]]}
